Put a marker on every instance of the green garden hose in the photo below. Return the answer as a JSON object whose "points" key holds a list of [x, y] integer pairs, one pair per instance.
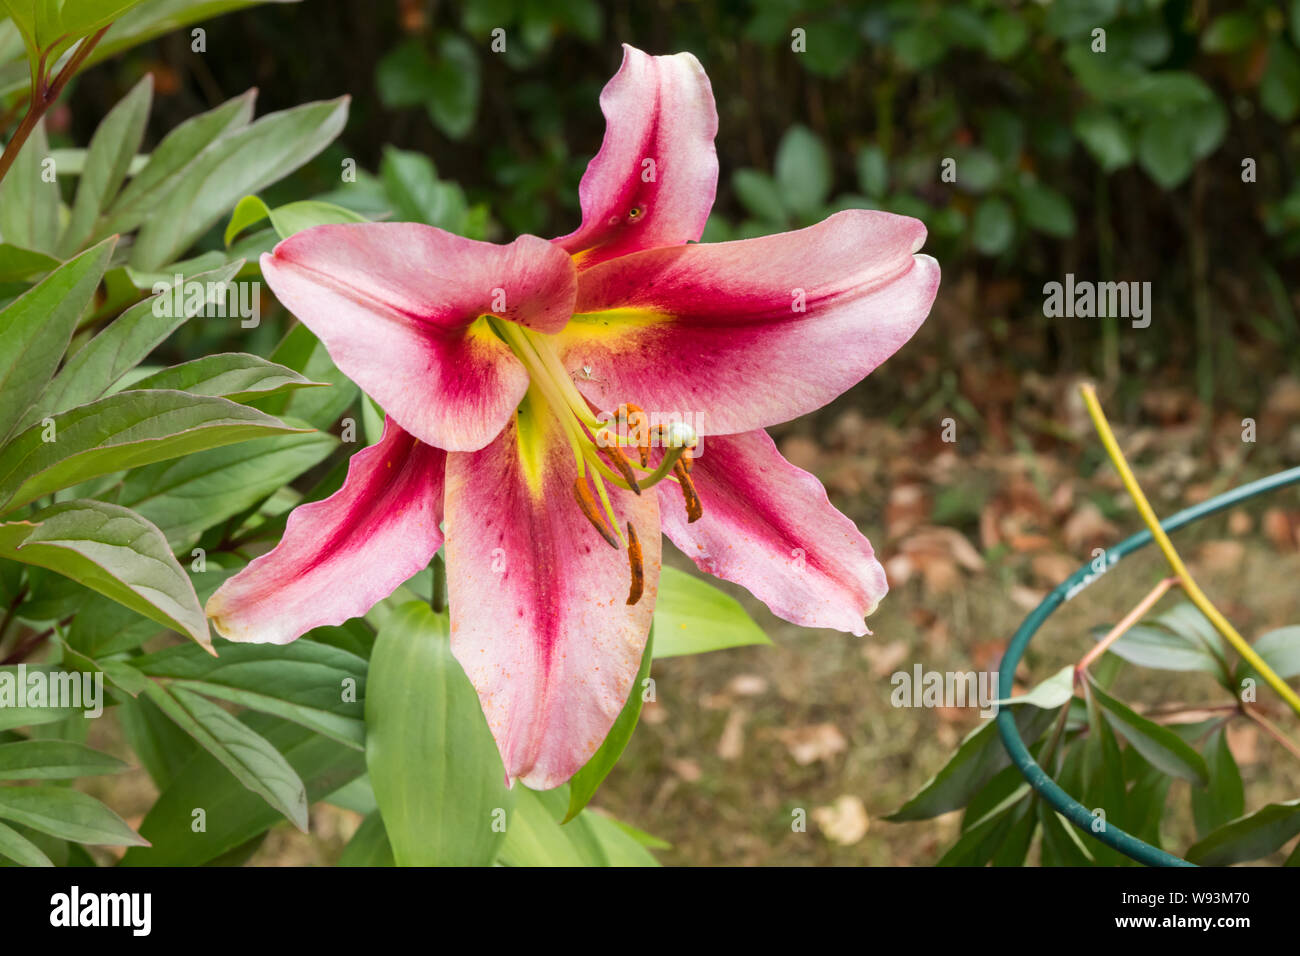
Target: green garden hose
{"points": [[1066, 805]]}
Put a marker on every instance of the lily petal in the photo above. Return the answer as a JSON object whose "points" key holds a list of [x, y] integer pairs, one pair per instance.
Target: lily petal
{"points": [[539, 618], [396, 306], [342, 555], [769, 527], [654, 180], [752, 333]]}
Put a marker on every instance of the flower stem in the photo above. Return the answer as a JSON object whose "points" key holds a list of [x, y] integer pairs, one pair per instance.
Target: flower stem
{"points": [[43, 95], [438, 596], [1194, 592], [1123, 627]]}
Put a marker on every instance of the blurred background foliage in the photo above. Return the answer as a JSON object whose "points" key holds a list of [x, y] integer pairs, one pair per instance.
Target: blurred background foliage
{"points": [[1121, 154]]}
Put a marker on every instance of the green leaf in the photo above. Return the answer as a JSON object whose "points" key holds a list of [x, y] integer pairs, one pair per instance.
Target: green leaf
{"points": [[29, 197], [980, 842], [453, 104], [186, 496], [1230, 32], [108, 158], [14, 712], [1279, 90], [977, 170], [1051, 694], [234, 815], [114, 551], [1223, 798], [301, 351], [247, 160], [317, 686], [66, 814], [411, 183], [23, 265], [758, 193], [536, 838], [21, 850], [1281, 651], [433, 764], [162, 747], [94, 368], [288, 219], [978, 759], [1007, 34], [369, 846], [1171, 143], [247, 212], [122, 431], [1105, 137], [1045, 210], [994, 226], [54, 760], [35, 330], [1062, 845], [233, 375], [1152, 645], [1159, 745], [169, 165], [693, 617], [1250, 837], [250, 757], [803, 171], [584, 783], [873, 171]]}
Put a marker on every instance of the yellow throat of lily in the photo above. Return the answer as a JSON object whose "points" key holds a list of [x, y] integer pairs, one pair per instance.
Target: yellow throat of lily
{"points": [[599, 442]]}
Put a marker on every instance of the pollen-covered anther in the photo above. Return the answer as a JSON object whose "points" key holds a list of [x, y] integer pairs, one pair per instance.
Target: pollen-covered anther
{"points": [[587, 502], [634, 424], [636, 565], [694, 510], [616, 457]]}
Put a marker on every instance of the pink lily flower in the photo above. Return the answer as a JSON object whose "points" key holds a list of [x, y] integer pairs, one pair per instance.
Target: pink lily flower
{"points": [[514, 379]]}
